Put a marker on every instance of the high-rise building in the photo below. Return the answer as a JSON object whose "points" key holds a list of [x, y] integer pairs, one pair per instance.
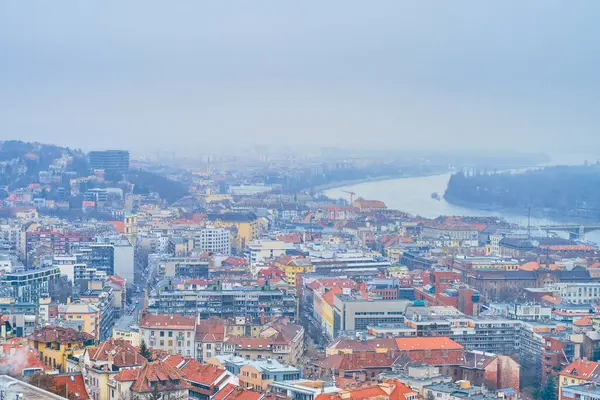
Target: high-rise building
{"points": [[110, 160]]}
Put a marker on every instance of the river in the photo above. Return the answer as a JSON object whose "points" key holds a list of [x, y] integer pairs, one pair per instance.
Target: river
{"points": [[413, 195]]}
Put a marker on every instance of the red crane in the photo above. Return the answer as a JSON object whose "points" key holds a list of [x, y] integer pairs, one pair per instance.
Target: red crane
{"points": [[351, 196]]}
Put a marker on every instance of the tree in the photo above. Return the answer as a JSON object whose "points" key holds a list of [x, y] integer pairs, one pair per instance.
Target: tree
{"points": [[144, 351], [43, 381], [548, 391]]}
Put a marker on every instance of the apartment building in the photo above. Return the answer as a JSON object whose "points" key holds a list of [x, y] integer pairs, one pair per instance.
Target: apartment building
{"points": [[246, 225], [213, 240], [28, 285], [174, 334], [85, 316], [256, 303], [54, 344], [577, 292]]}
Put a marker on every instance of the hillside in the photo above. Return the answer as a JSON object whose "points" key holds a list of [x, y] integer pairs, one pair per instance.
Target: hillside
{"points": [[53, 167], [554, 191]]}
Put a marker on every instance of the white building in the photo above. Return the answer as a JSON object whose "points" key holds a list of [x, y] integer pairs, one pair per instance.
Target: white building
{"points": [[213, 240], [174, 334], [577, 293], [262, 250]]}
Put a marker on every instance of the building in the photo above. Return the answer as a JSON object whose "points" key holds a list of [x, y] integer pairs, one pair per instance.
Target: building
{"points": [[183, 267], [29, 285], [257, 374], [262, 250], [110, 160], [585, 391], [302, 389], [86, 316], [210, 335], [54, 344], [462, 390], [280, 340], [174, 334], [246, 225], [352, 313], [577, 292], [104, 361], [13, 388], [206, 381], [257, 303], [154, 377], [579, 372], [294, 267], [213, 240]]}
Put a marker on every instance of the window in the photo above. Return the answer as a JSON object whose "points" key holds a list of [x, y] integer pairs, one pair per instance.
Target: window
{"points": [[162, 342], [170, 333], [162, 333], [170, 343], [208, 346]]}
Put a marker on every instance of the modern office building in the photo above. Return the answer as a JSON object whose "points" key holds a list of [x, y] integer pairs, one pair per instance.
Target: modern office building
{"points": [[110, 160], [351, 313]]}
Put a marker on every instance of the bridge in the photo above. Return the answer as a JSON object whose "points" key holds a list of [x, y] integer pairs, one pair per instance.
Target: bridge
{"points": [[575, 231]]}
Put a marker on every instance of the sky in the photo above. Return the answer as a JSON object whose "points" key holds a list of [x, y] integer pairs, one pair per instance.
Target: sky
{"points": [[198, 76]]}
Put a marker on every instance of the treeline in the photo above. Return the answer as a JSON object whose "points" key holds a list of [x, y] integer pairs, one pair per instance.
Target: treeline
{"points": [[560, 190], [145, 182]]}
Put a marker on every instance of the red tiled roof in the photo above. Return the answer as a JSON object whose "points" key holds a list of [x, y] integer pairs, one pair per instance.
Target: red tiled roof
{"points": [[210, 330], [156, 373], [356, 361], [583, 321], [232, 392], [595, 265], [427, 343], [582, 369], [51, 334], [329, 297], [250, 342], [119, 226], [122, 353], [202, 374], [75, 385], [164, 321], [117, 279], [364, 346], [235, 261]]}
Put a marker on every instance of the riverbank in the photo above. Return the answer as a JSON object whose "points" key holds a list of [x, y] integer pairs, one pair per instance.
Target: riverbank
{"points": [[554, 215], [352, 182]]}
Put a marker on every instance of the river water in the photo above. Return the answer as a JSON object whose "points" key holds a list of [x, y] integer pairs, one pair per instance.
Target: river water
{"points": [[413, 195]]}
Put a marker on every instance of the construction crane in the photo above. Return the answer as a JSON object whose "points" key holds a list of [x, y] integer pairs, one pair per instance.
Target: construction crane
{"points": [[351, 196]]}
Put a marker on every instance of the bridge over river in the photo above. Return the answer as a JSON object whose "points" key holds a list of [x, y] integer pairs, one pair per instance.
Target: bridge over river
{"points": [[575, 231]]}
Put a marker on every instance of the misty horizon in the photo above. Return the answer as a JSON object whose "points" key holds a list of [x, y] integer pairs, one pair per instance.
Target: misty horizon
{"points": [[192, 77]]}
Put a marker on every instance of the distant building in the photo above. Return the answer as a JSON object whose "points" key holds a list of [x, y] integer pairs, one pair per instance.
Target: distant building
{"points": [[246, 225], [213, 240], [110, 160], [262, 250]]}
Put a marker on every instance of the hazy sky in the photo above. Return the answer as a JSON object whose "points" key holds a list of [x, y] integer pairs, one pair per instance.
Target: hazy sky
{"points": [[195, 75]]}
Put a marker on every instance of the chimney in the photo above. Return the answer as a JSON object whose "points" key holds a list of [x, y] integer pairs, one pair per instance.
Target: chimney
{"points": [[13, 350]]}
